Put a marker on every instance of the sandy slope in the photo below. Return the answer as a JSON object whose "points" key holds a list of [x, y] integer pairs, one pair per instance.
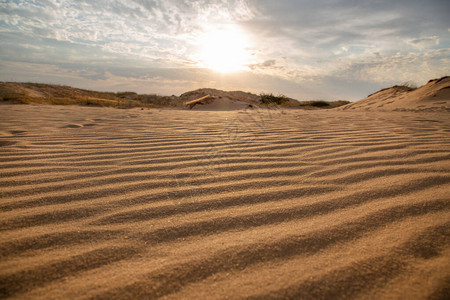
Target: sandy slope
{"points": [[433, 96], [126, 204]]}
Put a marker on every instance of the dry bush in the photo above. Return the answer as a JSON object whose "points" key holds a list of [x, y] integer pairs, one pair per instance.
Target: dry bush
{"points": [[270, 99]]}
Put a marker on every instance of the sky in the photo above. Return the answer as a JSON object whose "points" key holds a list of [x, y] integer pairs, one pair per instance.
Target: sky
{"points": [[332, 50]]}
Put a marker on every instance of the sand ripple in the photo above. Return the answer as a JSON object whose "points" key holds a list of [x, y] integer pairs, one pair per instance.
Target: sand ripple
{"points": [[103, 203]]}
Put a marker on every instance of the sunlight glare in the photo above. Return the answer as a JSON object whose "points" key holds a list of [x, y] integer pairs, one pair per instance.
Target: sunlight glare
{"points": [[224, 50]]}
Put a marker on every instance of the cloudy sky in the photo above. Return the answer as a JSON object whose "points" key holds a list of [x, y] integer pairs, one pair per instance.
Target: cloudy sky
{"points": [[333, 49]]}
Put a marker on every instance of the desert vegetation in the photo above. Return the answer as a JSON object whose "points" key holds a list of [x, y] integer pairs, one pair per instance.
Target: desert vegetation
{"points": [[322, 103], [270, 99]]}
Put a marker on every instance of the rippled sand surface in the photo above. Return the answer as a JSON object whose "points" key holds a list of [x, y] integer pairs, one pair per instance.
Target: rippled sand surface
{"points": [[132, 204]]}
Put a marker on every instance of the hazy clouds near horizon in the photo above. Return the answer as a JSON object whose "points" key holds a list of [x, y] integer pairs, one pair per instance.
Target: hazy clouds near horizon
{"points": [[304, 49]]}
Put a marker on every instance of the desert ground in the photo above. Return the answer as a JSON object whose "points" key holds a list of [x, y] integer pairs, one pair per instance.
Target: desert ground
{"points": [[104, 203]]}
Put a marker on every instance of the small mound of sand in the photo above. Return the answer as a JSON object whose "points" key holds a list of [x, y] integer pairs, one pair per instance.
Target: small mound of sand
{"points": [[212, 99], [217, 103]]}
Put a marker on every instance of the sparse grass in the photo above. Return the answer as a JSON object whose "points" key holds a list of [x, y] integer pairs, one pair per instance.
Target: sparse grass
{"points": [[404, 87], [409, 84], [317, 104], [270, 99]]}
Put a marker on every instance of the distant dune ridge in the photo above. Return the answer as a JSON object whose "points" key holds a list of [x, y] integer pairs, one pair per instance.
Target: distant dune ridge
{"points": [[24, 93], [433, 96], [279, 203]]}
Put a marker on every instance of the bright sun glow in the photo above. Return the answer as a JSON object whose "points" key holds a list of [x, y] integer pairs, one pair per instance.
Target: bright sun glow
{"points": [[224, 50]]}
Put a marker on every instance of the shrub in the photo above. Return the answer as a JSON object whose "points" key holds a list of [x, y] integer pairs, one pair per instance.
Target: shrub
{"points": [[127, 95], [269, 99], [319, 103]]}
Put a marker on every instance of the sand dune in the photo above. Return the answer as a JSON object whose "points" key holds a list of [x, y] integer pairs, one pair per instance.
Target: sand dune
{"points": [[101, 203], [214, 100], [434, 96]]}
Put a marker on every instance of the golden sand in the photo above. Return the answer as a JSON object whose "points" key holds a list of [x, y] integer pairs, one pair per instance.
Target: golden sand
{"points": [[100, 203]]}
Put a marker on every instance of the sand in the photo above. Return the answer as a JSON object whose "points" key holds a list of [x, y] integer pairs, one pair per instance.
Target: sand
{"points": [[431, 97], [217, 104], [102, 203]]}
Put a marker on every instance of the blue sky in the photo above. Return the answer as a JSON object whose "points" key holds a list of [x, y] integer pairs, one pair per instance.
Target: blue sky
{"points": [[304, 49]]}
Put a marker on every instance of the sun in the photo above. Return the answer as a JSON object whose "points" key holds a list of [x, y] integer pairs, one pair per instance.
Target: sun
{"points": [[224, 50]]}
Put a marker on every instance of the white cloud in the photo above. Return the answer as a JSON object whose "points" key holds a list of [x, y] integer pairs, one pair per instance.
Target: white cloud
{"points": [[143, 28], [417, 67]]}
